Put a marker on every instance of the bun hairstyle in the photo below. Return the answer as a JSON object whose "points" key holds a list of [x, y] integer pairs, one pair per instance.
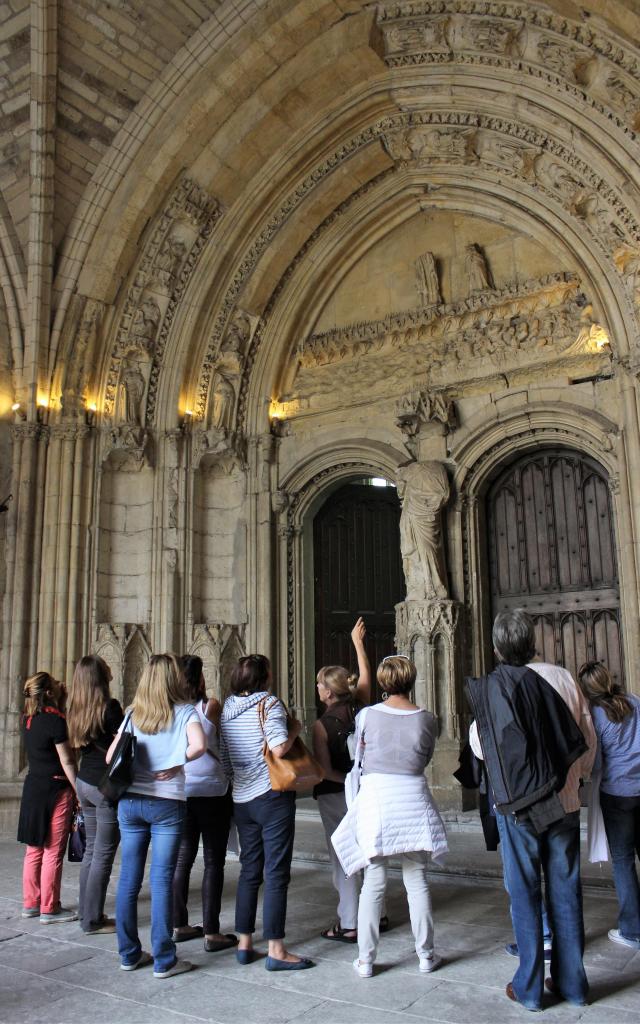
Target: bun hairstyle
{"points": [[396, 675], [338, 680], [38, 691], [600, 689]]}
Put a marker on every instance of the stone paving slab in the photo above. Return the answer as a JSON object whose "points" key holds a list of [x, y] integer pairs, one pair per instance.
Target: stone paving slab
{"points": [[56, 974]]}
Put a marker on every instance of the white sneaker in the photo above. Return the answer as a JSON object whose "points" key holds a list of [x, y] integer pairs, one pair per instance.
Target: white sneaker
{"points": [[430, 963], [143, 960], [615, 936], [364, 970], [180, 967]]}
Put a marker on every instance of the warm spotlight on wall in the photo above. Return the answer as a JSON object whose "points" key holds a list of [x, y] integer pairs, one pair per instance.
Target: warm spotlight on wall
{"points": [[187, 419], [91, 414]]}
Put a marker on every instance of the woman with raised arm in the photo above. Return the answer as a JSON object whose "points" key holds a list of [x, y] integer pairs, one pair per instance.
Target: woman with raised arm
{"points": [[93, 719], [47, 798], [616, 717], [209, 809], [265, 818], [343, 695], [168, 734]]}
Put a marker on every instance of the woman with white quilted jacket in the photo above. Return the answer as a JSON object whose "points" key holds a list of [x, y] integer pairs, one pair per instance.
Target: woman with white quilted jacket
{"points": [[393, 813]]}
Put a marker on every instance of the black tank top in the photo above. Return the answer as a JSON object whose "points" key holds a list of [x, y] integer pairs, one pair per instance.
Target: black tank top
{"points": [[339, 722]]}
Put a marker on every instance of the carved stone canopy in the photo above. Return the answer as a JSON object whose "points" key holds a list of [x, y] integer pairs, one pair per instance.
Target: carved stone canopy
{"points": [[418, 408]]}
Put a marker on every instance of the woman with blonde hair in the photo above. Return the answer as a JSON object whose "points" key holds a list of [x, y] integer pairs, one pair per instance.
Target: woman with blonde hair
{"points": [[343, 695], [168, 734], [47, 798], [93, 719], [393, 813], [616, 717]]}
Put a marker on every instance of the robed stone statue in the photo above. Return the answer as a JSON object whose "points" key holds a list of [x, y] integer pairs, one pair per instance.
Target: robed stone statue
{"points": [[423, 488]]}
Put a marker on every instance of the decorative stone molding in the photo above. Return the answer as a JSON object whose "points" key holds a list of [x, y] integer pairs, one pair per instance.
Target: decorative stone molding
{"points": [[219, 645], [227, 450], [73, 396], [127, 446], [590, 62], [126, 650], [159, 281]]}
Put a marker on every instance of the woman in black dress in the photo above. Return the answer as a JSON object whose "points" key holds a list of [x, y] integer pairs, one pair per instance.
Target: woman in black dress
{"points": [[47, 798]]}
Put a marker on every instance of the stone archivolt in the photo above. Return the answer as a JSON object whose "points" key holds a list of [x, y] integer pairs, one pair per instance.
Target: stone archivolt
{"points": [[159, 280], [536, 322]]}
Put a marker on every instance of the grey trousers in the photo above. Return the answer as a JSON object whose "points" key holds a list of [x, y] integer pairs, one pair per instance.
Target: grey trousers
{"points": [[414, 876], [103, 836]]}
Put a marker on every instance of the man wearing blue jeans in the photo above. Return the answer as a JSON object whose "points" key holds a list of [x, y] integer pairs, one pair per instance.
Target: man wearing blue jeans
{"points": [[529, 730]]}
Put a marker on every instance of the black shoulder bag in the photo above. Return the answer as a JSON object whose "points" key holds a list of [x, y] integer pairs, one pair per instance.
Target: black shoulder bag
{"points": [[119, 774]]}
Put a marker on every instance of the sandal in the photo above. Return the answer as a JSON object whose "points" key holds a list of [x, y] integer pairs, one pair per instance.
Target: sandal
{"points": [[192, 931], [339, 934]]}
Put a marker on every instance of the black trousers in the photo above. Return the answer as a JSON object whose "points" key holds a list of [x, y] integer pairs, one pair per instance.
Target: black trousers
{"points": [[209, 817]]}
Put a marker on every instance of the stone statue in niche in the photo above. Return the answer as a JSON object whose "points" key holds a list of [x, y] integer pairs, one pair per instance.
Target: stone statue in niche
{"points": [[224, 401], [169, 260], [423, 488], [478, 273], [427, 280], [144, 325], [134, 384], [237, 336]]}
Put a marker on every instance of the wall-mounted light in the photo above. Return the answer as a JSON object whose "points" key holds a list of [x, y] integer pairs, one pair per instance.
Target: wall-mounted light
{"points": [[18, 411], [41, 409], [187, 419], [91, 413]]}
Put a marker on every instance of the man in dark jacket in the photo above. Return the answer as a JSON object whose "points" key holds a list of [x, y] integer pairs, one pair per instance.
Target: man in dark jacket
{"points": [[529, 740]]}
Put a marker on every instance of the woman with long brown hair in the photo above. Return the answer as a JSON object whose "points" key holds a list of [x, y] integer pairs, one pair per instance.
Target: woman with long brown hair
{"points": [[47, 798], [93, 719], [616, 717], [168, 734]]}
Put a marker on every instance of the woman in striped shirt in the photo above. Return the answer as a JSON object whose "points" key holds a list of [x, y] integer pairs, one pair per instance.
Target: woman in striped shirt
{"points": [[265, 819]]}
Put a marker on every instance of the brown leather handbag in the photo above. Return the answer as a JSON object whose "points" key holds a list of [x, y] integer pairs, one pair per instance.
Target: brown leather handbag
{"points": [[298, 770]]}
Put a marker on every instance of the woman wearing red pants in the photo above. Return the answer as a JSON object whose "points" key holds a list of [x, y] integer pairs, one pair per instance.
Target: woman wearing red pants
{"points": [[47, 798]]}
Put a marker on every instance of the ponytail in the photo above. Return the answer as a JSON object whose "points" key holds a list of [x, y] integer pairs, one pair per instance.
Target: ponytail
{"points": [[603, 692]]}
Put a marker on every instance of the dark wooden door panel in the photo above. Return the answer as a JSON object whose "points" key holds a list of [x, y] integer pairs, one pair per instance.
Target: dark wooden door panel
{"points": [[552, 552], [357, 571]]}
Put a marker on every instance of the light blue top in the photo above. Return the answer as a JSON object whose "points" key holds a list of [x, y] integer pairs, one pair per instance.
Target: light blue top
{"points": [[155, 753], [619, 751]]}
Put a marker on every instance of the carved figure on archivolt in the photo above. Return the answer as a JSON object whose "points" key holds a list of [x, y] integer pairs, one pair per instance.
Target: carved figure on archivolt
{"points": [[237, 336], [597, 216], [145, 324], [423, 488], [133, 385], [425, 144], [223, 404], [558, 57], [169, 260]]}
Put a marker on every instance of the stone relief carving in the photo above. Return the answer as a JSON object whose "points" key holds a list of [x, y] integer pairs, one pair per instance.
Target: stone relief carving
{"points": [[223, 404], [237, 336], [423, 488], [427, 281], [169, 255], [126, 650], [84, 344], [477, 269], [134, 385]]}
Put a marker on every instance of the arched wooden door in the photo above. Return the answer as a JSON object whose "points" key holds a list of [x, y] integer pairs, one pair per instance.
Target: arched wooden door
{"points": [[357, 571], [552, 551]]}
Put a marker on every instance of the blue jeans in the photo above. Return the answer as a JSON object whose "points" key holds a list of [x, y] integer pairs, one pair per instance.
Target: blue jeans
{"points": [[266, 826], [144, 820], [525, 855], [622, 824]]}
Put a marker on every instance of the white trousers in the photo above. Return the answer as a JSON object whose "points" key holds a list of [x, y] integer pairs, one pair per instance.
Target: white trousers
{"points": [[333, 807], [414, 876]]}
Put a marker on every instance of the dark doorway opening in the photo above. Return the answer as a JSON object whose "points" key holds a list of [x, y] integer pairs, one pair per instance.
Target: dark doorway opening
{"points": [[552, 551], [357, 571]]}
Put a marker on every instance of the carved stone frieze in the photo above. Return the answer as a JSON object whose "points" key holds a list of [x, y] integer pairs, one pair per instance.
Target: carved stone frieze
{"points": [[429, 633], [159, 279], [126, 650], [490, 324]]}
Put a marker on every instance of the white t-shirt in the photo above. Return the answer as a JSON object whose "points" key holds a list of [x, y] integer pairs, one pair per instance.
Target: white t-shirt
{"points": [[156, 753]]}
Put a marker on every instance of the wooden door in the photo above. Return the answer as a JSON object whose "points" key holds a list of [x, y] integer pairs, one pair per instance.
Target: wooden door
{"points": [[357, 571], [552, 552]]}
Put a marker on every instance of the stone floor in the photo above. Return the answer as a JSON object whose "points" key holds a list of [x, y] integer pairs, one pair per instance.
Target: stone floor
{"points": [[58, 976]]}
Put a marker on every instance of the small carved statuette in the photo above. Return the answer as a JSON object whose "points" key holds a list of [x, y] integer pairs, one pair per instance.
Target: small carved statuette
{"points": [[478, 273], [427, 280], [145, 323], [224, 401], [169, 260], [133, 383]]}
